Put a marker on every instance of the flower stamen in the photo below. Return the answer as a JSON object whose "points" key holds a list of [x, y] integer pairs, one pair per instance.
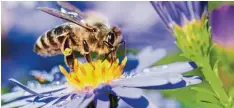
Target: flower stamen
{"points": [[85, 76]]}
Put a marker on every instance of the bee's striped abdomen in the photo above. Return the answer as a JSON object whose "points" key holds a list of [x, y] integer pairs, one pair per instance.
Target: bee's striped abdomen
{"points": [[49, 43], [51, 39]]}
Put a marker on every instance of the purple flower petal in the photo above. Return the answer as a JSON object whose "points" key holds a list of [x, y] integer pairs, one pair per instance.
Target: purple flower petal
{"points": [[103, 101], [132, 96], [101, 96], [102, 89], [222, 25], [172, 12], [127, 92]]}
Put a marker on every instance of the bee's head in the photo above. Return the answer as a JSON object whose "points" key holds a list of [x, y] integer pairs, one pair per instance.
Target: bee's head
{"points": [[113, 38]]}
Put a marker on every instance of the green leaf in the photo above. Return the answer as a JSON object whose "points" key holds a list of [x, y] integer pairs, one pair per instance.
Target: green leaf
{"points": [[211, 47], [209, 105], [203, 90], [215, 68], [231, 93], [207, 98]]}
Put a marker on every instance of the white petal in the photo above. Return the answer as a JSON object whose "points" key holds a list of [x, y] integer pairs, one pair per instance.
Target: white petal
{"points": [[17, 103], [15, 82], [86, 102], [147, 57], [177, 67], [34, 105], [12, 95], [192, 80], [158, 82], [127, 92], [75, 103], [141, 81]]}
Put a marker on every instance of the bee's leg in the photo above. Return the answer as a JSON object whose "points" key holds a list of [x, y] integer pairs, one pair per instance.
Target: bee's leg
{"points": [[87, 55], [111, 57], [68, 54], [69, 60]]}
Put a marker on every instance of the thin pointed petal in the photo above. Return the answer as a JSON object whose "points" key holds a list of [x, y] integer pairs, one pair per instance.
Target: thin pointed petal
{"points": [[15, 82], [86, 102], [75, 103], [171, 11], [17, 103], [12, 96]]}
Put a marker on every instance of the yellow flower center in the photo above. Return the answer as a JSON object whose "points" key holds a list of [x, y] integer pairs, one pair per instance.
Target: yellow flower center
{"points": [[87, 76], [187, 30]]}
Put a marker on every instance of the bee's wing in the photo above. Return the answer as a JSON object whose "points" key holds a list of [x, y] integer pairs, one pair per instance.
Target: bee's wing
{"points": [[64, 16], [70, 7]]}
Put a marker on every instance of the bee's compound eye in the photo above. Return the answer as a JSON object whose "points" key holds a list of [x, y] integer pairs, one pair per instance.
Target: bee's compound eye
{"points": [[111, 38]]}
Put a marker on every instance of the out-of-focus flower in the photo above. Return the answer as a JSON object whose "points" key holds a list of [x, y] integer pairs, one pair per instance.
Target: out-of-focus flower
{"points": [[222, 26], [187, 22], [43, 76], [193, 37], [54, 76], [80, 91]]}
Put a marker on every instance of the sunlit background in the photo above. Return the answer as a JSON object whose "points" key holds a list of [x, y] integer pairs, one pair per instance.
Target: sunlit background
{"points": [[22, 24]]}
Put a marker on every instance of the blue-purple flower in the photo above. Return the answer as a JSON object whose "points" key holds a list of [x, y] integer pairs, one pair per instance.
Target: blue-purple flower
{"points": [[127, 87], [222, 26], [180, 12]]}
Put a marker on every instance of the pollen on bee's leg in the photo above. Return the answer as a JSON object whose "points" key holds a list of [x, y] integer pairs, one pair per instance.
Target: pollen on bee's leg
{"points": [[67, 51]]}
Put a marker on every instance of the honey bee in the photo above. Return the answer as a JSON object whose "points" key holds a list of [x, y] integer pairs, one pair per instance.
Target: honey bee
{"points": [[85, 32]]}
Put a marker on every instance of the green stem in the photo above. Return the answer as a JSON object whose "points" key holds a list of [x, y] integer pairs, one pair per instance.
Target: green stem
{"points": [[215, 82]]}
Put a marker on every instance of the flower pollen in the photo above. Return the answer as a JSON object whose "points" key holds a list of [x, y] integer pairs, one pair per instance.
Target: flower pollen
{"points": [[85, 76]]}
